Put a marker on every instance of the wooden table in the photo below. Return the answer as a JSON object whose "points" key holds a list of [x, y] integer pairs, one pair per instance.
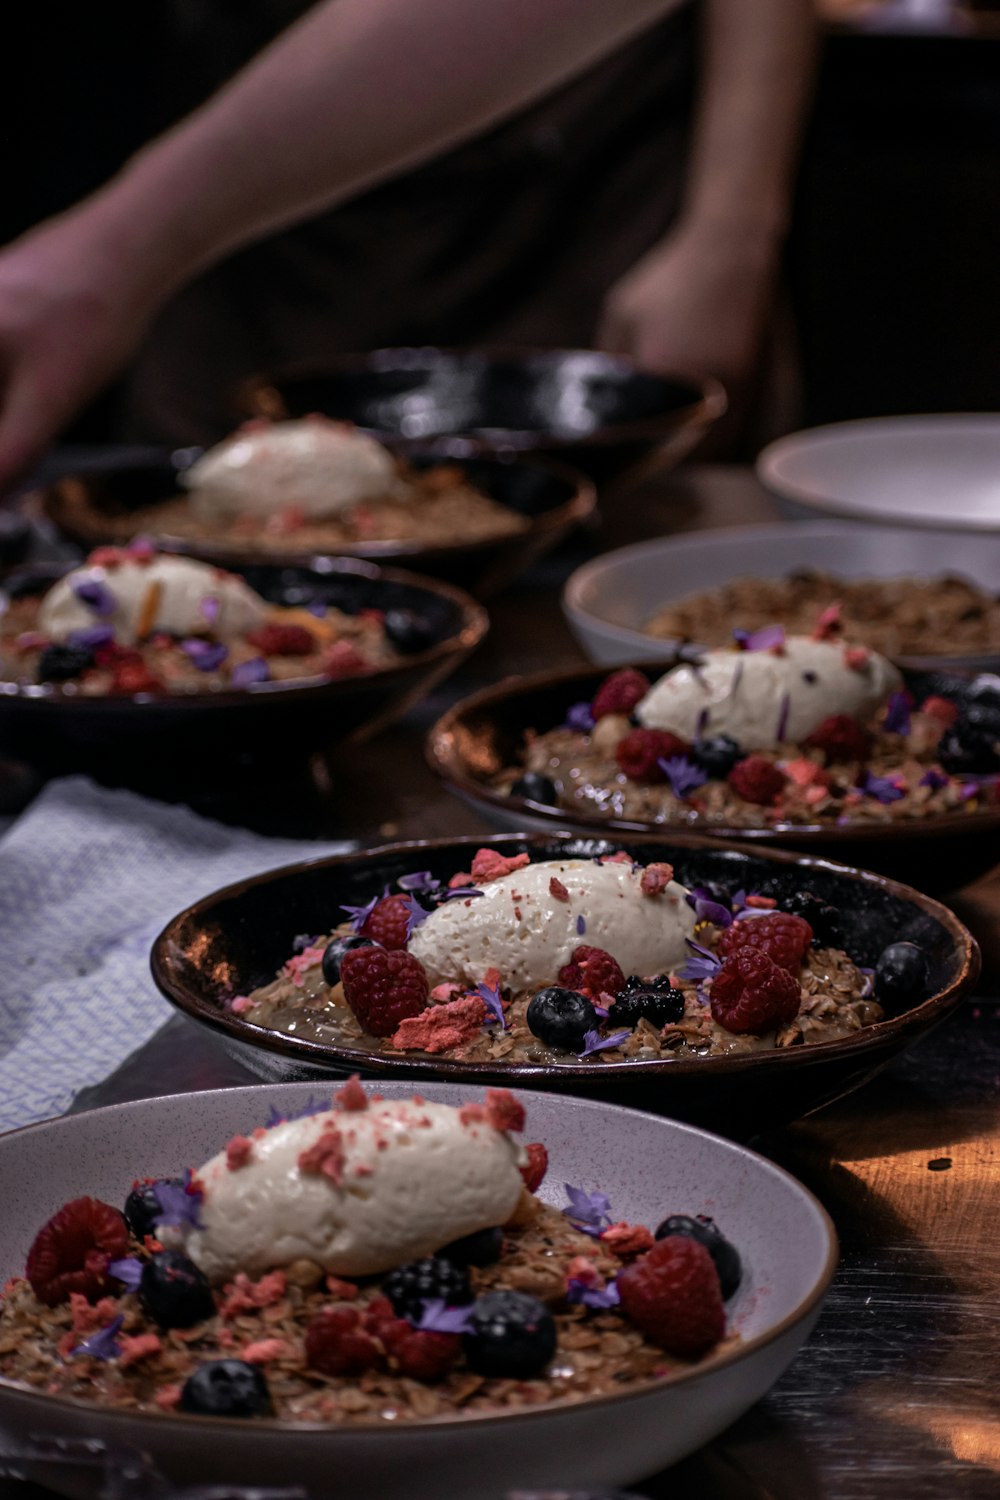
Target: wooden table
{"points": [[895, 1395]]}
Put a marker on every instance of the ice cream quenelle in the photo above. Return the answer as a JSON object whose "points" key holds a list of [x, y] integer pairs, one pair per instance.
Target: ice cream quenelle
{"points": [[315, 465], [359, 1188], [763, 698], [527, 924], [138, 592]]}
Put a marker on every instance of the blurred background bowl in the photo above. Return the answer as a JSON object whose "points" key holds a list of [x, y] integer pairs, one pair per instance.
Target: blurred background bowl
{"points": [[607, 601], [597, 411], [93, 508], [938, 471]]}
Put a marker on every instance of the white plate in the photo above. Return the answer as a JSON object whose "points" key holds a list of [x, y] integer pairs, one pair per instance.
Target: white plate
{"points": [[607, 600], [941, 472], [651, 1167]]}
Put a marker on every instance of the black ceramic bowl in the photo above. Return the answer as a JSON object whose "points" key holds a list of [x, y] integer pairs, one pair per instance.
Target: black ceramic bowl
{"points": [[485, 732], [233, 941], [57, 728], [597, 411], [95, 507]]}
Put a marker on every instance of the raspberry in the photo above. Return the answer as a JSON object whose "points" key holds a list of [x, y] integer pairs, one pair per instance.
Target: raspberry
{"points": [[619, 693], [536, 1166], [672, 1295], [781, 936], [72, 1251], [638, 753], [387, 923], [337, 1344], [756, 779], [283, 640], [592, 971], [753, 993], [942, 709], [424, 1355], [840, 738], [383, 987]]}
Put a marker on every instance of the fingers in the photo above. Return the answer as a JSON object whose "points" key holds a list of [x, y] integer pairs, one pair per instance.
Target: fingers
{"points": [[25, 428]]}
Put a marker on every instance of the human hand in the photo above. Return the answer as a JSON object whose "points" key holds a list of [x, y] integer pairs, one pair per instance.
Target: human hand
{"points": [[697, 303]]}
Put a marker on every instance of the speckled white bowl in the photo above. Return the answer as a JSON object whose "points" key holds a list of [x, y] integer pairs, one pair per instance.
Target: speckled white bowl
{"points": [[651, 1167]]}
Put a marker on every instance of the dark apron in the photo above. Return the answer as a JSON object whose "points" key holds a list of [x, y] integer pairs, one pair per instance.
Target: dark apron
{"points": [[513, 238]]}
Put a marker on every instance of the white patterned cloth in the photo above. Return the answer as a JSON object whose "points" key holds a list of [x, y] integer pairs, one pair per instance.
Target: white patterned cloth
{"points": [[88, 877]]}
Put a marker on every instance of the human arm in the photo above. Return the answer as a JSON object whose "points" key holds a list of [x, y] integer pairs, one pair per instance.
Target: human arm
{"points": [[353, 93], [698, 300]]}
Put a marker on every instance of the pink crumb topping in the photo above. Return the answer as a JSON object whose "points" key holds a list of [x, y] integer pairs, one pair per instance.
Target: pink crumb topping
{"points": [[243, 1295], [265, 1351], [445, 992], [472, 1114], [628, 1239], [762, 903], [240, 1004], [346, 1290], [441, 1026], [857, 657], [488, 865], [621, 858], [557, 890], [829, 623], [352, 1096], [295, 968], [325, 1156], [655, 878], [239, 1151], [582, 1269], [135, 1349], [85, 1317], [503, 1111], [168, 1396]]}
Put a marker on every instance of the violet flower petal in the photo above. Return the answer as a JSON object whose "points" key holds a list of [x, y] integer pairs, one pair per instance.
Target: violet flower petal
{"points": [[593, 1209], [897, 715], [128, 1269], [684, 776], [581, 925], [103, 1344], [422, 882], [883, 788], [178, 1205], [580, 718], [437, 1317], [359, 914], [209, 608], [592, 1296], [765, 639], [92, 636], [245, 673], [204, 656], [704, 965], [491, 999], [95, 594], [312, 1106], [415, 914], [596, 1043], [459, 892], [933, 778], [707, 909]]}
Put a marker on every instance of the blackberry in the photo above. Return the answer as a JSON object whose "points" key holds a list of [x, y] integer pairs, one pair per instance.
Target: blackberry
{"points": [[143, 1207], [408, 631], [174, 1292], [901, 973], [513, 1336], [226, 1388], [333, 954], [968, 748], [536, 788], [61, 663], [717, 755], [480, 1249], [561, 1018], [707, 1233], [428, 1280], [824, 919], [655, 999]]}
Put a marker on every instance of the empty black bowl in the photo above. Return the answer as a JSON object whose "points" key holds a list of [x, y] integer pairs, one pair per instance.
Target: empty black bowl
{"points": [[237, 939], [597, 411]]}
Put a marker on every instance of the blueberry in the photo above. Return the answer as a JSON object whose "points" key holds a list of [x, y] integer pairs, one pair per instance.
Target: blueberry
{"points": [[333, 954], [143, 1208], [561, 1018], [969, 749], [408, 631], [824, 919], [174, 1292], [226, 1388], [480, 1249], [61, 663], [706, 1232], [656, 999], [901, 972], [536, 787], [513, 1336], [432, 1279], [717, 755]]}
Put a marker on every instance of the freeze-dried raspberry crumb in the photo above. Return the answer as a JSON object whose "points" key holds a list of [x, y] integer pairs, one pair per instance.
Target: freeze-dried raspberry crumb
{"points": [[829, 623], [857, 657], [283, 640], [472, 1114], [536, 1166], [672, 1296], [342, 660], [239, 1151], [654, 879], [488, 865], [266, 1351], [87, 1318], [627, 1240], [942, 709], [503, 1111], [751, 993], [346, 1291], [639, 753], [840, 738], [441, 1027], [168, 1396], [619, 693], [782, 936], [593, 972], [756, 779], [383, 987], [388, 922], [135, 1349], [71, 1253], [352, 1096], [557, 890], [325, 1156], [337, 1343]]}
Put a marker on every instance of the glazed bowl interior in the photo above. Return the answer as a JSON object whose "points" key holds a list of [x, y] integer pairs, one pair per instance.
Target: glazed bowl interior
{"points": [[238, 939], [598, 410], [649, 1167], [485, 732], [95, 507]]}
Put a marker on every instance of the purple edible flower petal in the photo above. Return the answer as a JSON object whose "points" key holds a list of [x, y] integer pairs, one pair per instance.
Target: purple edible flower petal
{"points": [[491, 999], [684, 776], [760, 640], [590, 1212], [209, 608], [247, 672], [437, 1317], [311, 1107], [96, 595], [704, 965], [92, 636], [104, 1344], [592, 1296], [205, 656], [933, 778], [459, 892], [580, 718], [359, 914], [415, 914], [602, 1011], [581, 926], [597, 1043], [304, 941], [178, 1205], [898, 711], [128, 1269], [786, 708], [707, 909], [421, 882], [883, 788], [318, 608]]}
